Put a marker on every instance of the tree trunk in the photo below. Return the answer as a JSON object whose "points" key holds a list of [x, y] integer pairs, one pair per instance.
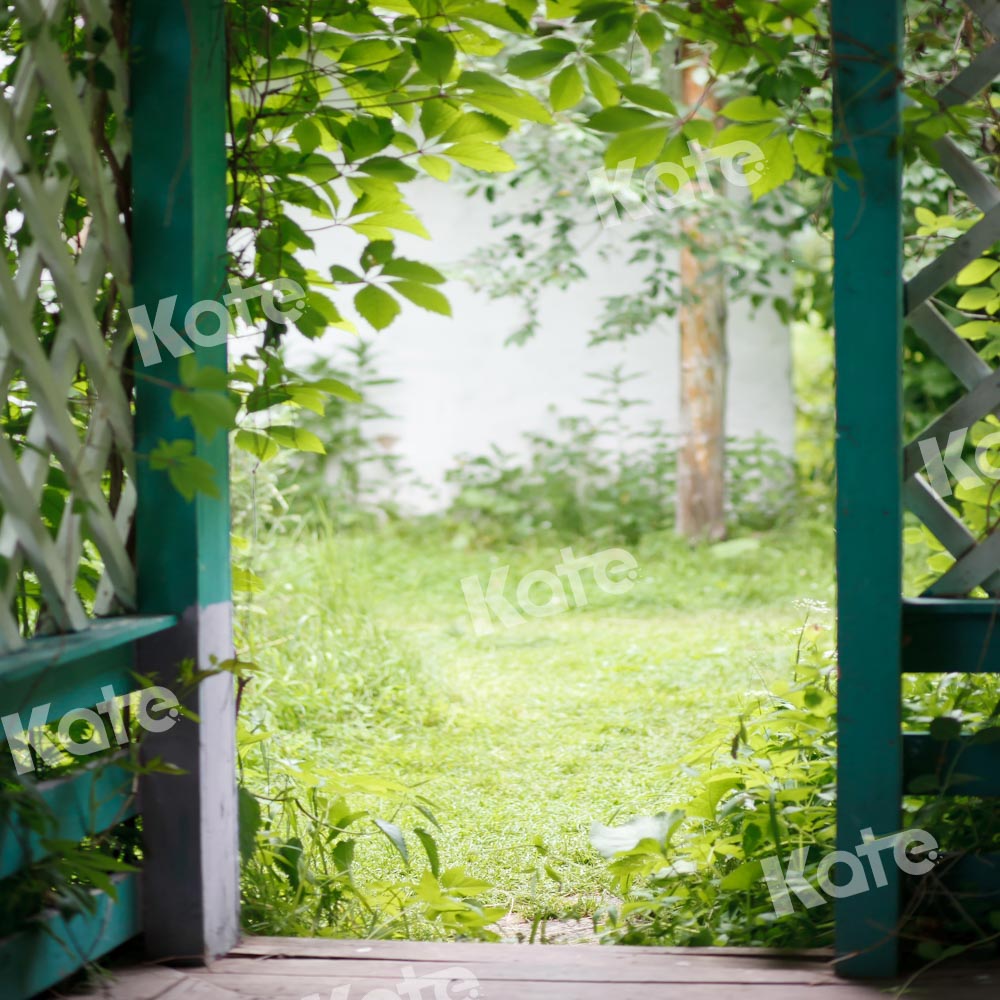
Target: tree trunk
{"points": [[701, 470]]}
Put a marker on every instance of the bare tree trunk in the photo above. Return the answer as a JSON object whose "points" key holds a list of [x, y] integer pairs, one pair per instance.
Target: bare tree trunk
{"points": [[701, 474]]}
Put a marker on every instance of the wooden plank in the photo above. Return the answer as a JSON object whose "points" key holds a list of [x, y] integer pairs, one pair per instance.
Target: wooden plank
{"points": [[88, 802], [962, 768], [307, 988], [593, 965], [867, 46], [469, 951], [945, 635], [34, 960], [191, 874], [33, 665]]}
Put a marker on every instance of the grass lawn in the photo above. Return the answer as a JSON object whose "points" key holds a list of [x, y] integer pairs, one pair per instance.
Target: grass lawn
{"points": [[524, 737]]}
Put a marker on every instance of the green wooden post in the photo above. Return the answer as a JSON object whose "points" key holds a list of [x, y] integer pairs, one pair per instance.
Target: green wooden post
{"points": [[191, 873], [867, 48]]}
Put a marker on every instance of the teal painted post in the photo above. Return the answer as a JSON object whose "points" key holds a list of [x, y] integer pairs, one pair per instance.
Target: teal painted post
{"points": [[191, 872], [867, 47]]}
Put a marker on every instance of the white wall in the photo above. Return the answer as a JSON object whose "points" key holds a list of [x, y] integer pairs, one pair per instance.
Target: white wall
{"points": [[462, 389]]}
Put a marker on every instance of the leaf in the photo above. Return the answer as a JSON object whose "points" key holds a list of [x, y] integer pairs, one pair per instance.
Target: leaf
{"points": [[811, 151], [430, 849], [287, 858], [741, 878], [258, 445], [602, 85], [437, 166], [750, 109], [976, 298], [435, 53], [978, 271], [208, 410], [566, 89], [249, 821], [306, 133], [413, 270], [619, 119], [335, 387], [481, 156], [651, 30], [296, 439], [246, 581], [538, 62], [945, 728], [777, 167], [423, 296], [188, 473], [395, 835], [642, 145], [377, 306], [649, 97]]}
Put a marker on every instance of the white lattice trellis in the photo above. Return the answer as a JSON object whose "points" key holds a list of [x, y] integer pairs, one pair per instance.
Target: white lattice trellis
{"points": [[43, 380], [976, 561]]}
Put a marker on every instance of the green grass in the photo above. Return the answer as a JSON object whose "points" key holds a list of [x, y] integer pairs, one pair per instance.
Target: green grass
{"points": [[370, 664]]}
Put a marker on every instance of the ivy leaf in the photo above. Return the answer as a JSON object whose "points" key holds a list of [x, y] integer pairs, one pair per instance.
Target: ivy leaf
{"points": [[750, 109], [413, 270], [529, 65], [642, 146], [651, 31], [423, 296], [602, 85], [307, 135], [296, 439], [619, 119], [811, 151], [208, 410], [188, 473], [482, 156], [261, 447], [566, 89], [649, 97], [377, 306], [777, 167], [437, 166], [435, 53]]}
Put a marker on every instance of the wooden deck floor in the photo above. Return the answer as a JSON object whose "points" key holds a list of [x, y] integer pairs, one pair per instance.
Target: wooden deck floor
{"points": [[309, 969]]}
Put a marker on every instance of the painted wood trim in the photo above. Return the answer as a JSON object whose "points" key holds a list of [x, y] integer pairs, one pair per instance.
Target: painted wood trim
{"points": [[868, 299]]}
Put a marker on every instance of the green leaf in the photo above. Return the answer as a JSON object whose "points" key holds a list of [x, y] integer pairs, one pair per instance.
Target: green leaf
{"points": [[642, 145], [395, 835], [978, 271], [649, 97], [750, 109], [435, 53], [741, 878], [249, 822], [566, 90], [307, 135], [430, 849], [413, 270], [811, 151], [481, 156], [437, 166], [261, 447], [538, 62], [335, 387], [619, 119], [188, 473], [423, 296], [377, 306], [976, 298], [210, 411], [296, 439], [651, 30], [777, 167], [602, 85]]}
